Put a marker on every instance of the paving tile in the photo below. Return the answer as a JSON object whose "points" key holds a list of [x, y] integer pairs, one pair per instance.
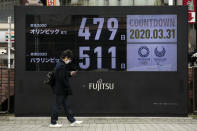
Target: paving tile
{"points": [[101, 124]]}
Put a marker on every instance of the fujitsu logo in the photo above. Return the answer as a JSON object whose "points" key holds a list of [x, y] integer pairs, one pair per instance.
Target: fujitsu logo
{"points": [[100, 85]]}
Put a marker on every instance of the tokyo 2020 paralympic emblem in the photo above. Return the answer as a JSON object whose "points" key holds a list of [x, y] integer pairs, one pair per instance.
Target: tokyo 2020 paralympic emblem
{"points": [[160, 53]]}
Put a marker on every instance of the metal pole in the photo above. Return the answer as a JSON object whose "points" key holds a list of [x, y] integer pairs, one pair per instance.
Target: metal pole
{"points": [[8, 89], [9, 39], [9, 46]]}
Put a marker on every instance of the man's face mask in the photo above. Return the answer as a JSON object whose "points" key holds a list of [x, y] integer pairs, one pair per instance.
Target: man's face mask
{"points": [[68, 61]]}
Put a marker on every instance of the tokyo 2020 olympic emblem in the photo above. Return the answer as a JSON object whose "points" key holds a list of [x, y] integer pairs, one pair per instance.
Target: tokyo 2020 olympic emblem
{"points": [[160, 53], [143, 51]]}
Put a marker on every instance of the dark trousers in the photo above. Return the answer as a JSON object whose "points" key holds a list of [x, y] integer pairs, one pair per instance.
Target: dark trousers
{"points": [[61, 100]]}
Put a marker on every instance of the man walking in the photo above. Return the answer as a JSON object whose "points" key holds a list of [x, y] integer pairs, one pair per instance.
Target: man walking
{"points": [[62, 90]]}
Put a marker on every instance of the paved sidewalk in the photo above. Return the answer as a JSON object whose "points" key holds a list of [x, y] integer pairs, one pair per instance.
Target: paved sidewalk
{"points": [[11, 123]]}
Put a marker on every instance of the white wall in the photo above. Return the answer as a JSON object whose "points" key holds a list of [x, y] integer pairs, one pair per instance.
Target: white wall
{"points": [[179, 2], [144, 2]]}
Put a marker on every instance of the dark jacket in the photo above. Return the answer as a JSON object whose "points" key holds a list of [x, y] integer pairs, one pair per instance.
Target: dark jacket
{"points": [[62, 76]]}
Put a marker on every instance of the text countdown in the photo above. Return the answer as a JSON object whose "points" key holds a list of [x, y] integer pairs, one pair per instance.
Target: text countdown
{"points": [[151, 28]]}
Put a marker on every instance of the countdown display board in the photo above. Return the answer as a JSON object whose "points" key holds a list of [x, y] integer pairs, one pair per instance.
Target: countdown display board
{"points": [[130, 60], [103, 42]]}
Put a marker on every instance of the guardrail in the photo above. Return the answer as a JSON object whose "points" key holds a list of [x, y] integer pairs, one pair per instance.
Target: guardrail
{"points": [[194, 79], [6, 88]]}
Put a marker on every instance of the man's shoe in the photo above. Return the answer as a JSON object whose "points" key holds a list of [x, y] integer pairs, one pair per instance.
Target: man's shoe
{"points": [[55, 125], [76, 123]]}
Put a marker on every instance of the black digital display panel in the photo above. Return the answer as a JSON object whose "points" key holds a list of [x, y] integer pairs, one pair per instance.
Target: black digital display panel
{"points": [[100, 42], [148, 54]]}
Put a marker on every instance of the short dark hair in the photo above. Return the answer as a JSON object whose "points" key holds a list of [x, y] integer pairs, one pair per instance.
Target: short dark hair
{"points": [[67, 53]]}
